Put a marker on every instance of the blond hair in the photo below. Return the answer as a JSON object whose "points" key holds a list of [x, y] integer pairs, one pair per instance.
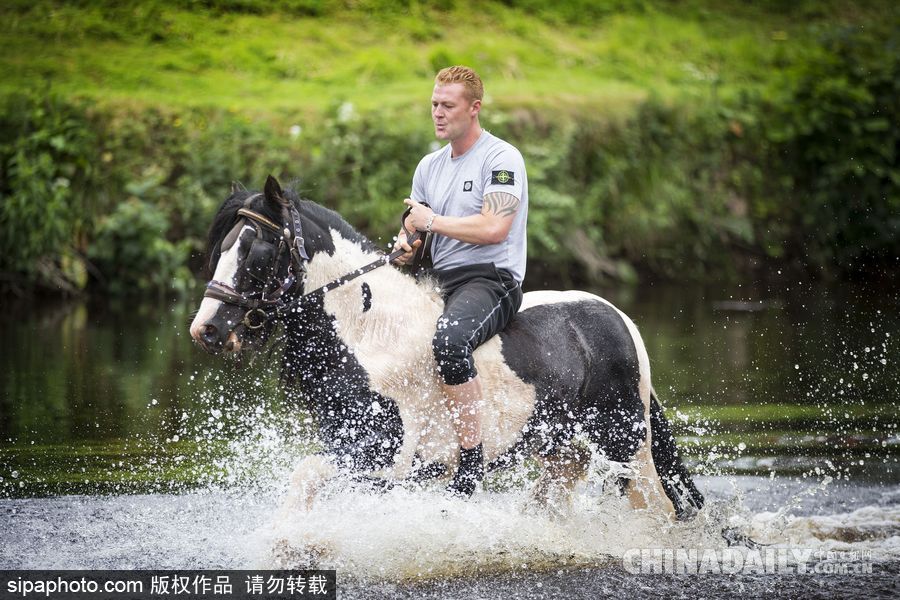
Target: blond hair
{"points": [[465, 76]]}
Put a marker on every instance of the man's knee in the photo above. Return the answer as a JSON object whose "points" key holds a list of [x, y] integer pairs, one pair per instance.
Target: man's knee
{"points": [[452, 354]]}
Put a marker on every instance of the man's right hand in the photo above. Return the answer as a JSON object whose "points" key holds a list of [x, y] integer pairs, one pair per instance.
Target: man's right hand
{"points": [[401, 242]]}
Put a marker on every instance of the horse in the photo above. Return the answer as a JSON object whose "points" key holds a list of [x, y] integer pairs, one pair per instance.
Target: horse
{"points": [[568, 378]]}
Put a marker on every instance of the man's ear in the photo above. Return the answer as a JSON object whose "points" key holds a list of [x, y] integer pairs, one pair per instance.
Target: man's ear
{"points": [[475, 108]]}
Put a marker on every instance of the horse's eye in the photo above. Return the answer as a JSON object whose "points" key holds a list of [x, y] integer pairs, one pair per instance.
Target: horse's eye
{"points": [[259, 259]]}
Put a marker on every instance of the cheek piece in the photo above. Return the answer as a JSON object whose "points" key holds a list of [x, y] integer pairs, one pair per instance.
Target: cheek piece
{"points": [[263, 264]]}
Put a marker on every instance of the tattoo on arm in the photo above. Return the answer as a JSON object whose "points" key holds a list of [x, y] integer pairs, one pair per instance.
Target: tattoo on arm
{"points": [[501, 204]]}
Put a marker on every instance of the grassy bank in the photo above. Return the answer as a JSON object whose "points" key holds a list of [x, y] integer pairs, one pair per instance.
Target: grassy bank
{"points": [[300, 59], [682, 139]]}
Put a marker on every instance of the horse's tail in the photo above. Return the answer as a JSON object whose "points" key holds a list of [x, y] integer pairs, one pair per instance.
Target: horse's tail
{"points": [[676, 480]]}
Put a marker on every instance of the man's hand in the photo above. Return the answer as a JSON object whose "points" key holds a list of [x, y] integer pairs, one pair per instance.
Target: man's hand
{"points": [[401, 242], [418, 217]]}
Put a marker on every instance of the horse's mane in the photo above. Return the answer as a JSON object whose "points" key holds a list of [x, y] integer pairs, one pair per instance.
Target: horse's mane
{"points": [[329, 219], [321, 216]]}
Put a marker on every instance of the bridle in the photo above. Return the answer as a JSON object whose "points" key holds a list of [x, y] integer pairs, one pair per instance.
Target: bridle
{"points": [[262, 305]]}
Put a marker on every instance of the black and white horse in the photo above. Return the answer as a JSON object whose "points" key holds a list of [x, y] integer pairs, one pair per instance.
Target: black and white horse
{"points": [[570, 372]]}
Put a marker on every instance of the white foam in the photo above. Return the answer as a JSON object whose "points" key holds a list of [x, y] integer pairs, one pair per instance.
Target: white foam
{"points": [[874, 528]]}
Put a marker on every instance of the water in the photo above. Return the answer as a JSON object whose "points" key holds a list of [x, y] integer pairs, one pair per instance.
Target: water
{"points": [[121, 446]]}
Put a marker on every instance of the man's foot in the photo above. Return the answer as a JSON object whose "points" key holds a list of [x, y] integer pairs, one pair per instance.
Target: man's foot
{"points": [[469, 472]]}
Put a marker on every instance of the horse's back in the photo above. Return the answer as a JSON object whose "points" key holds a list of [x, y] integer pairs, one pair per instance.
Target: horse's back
{"points": [[546, 297], [572, 334]]}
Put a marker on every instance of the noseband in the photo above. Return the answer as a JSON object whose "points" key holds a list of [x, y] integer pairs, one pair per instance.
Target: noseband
{"points": [[261, 304]]}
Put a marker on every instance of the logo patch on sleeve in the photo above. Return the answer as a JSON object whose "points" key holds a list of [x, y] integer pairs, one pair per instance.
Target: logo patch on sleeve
{"points": [[503, 177], [467, 186]]}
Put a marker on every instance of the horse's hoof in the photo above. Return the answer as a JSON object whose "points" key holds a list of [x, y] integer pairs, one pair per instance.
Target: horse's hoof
{"points": [[733, 537], [686, 512], [287, 556], [377, 484], [428, 471], [459, 493]]}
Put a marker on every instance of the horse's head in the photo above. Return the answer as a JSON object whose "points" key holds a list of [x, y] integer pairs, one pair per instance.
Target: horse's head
{"points": [[256, 257]]}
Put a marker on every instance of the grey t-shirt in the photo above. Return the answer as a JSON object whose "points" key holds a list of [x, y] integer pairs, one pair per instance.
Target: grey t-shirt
{"points": [[455, 187]]}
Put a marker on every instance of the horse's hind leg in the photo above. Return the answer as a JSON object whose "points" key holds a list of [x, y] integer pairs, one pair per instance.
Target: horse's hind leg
{"points": [[645, 488], [563, 469]]}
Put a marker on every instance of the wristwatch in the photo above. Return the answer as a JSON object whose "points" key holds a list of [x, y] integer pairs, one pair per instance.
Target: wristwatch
{"points": [[430, 222]]}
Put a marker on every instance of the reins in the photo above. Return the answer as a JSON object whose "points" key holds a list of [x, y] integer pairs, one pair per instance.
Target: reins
{"points": [[379, 262]]}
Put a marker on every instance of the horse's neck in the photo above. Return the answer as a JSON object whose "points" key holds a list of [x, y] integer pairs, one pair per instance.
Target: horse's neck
{"points": [[326, 267], [395, 296]]}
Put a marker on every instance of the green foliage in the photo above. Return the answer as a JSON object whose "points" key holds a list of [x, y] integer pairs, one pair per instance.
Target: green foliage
{"points": [[131, 250], [362, 168], [579, 11], [47, 157], [297, 57], [674, 138], [652, 190], [830, 141]]}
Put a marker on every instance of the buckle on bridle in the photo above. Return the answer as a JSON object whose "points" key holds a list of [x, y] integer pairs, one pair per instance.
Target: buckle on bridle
{"points": [[256, 318]]}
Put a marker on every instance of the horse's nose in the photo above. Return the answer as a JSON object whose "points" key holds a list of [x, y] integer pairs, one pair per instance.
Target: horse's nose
{"points": [[207, 335]]}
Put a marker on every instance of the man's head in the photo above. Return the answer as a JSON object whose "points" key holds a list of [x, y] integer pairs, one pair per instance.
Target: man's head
{"points": [[455, 102], [464, 75]]}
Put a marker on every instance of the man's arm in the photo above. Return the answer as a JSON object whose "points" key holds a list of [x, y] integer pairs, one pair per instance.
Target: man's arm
{"points": [[491, 226]]}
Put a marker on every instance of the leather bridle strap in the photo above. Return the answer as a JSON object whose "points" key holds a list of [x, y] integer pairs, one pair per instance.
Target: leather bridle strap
{"points": [[265, 301], [261, 219], [332, 285]]}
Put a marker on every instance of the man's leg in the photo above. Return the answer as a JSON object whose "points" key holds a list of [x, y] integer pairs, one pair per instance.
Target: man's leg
{"points": [[463, 401], [475, 309]]}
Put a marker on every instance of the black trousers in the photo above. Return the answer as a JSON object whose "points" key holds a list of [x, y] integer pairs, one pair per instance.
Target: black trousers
{"points": [[479, 301]]}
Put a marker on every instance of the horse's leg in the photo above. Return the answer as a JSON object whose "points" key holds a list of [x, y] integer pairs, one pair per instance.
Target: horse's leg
{"points": [[412, 434], [676, 480], [563, 469], [307, 479], [645, 489]]}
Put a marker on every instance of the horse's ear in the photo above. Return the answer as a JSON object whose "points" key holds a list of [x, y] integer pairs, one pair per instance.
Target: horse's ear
{"points": [[273, 191], [237, 186]]}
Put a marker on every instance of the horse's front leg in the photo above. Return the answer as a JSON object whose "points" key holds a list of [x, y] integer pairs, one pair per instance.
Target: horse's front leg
{"points": [[405, 457], [306, 481], [645, 489]]}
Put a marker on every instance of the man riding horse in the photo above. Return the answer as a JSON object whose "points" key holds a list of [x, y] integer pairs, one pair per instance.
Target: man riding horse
{"points": [[472, 196], [356, 337]]}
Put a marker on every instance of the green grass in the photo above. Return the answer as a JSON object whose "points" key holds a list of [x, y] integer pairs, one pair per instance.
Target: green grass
{"points": [[783, 413], [122, 466], [278, 61]]}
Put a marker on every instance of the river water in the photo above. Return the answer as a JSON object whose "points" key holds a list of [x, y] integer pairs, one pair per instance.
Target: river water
{"points": [[122, 446]]}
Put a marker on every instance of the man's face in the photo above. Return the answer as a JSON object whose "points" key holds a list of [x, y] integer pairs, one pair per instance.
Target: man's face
{"points": [[452, 111]]}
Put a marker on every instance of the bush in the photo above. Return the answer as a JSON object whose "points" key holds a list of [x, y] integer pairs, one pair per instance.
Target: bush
{"points": [[131, 251], [807, 174], [830, 142], [47, 158]]}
